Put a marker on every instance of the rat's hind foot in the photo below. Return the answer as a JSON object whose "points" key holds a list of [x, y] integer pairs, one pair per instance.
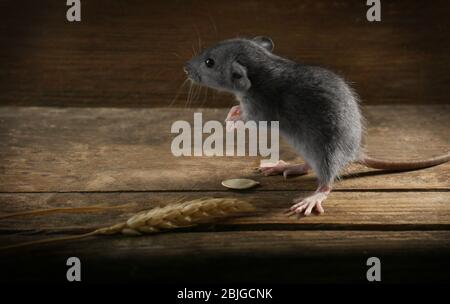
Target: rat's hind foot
{"points": [[304, 206], [282, 167]]}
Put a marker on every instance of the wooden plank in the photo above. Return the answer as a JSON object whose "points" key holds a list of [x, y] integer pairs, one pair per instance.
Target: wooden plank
{"points": [[237, 257], [344, 211], [104, 149], [249, 242], [131, 53]]}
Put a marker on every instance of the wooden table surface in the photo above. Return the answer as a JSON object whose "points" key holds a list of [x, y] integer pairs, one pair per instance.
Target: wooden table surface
{"points": [[66, 157]]}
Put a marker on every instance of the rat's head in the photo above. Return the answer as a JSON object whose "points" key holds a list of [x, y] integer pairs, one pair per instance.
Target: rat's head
{"points": [[221, 66]]}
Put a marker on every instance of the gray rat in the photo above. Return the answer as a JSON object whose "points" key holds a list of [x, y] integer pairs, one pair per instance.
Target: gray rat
{"points": [[317, 110]]}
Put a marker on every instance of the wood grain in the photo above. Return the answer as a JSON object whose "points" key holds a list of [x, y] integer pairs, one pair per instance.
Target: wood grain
{"points": [[105, 149], [344, 211], [130, 53], [73, 157], [239, 257]]}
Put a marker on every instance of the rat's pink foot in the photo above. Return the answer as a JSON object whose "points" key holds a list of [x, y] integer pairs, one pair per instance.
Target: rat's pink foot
{"points": [[304, 206], [282, 167], [233, 115]]}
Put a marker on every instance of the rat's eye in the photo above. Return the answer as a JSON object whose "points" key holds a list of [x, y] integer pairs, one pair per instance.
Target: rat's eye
{"points": [[209, 62]]}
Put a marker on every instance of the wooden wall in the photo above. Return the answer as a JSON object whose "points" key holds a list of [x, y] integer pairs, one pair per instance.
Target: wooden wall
{"points": [[130, 53]]}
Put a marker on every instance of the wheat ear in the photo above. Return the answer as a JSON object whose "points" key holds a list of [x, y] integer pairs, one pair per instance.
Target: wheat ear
{"points": [[178, 215]]}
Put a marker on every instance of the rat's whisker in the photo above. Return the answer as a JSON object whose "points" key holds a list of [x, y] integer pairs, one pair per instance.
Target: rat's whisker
{"points": [[197, 88], [194, 88], [178, 92], [176, 55], [199, 40], [204, 98], [188, 95], [192, 94], [199, 92], [196, 52], [195, 93], [211, 19]]}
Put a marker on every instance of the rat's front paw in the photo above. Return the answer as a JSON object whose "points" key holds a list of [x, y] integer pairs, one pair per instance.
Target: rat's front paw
{"points": [[233, 115]]}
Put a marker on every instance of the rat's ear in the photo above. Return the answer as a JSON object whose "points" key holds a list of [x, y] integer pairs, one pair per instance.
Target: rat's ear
{"points": [[265, 42], [239, 76]]}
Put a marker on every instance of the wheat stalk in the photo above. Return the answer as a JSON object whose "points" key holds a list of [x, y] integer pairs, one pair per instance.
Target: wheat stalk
{"points": [[95, 208], [177, 215]]}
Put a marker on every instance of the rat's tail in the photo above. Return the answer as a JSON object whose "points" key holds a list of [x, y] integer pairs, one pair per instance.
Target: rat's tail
{"points": [[377, 163]]}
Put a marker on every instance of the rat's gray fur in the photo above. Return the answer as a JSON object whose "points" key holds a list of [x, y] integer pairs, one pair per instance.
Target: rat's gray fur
{"points": [[318, 112]]}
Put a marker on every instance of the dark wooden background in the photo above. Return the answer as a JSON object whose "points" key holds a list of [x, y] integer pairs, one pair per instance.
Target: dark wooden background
{"points": [[130, 53]]}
